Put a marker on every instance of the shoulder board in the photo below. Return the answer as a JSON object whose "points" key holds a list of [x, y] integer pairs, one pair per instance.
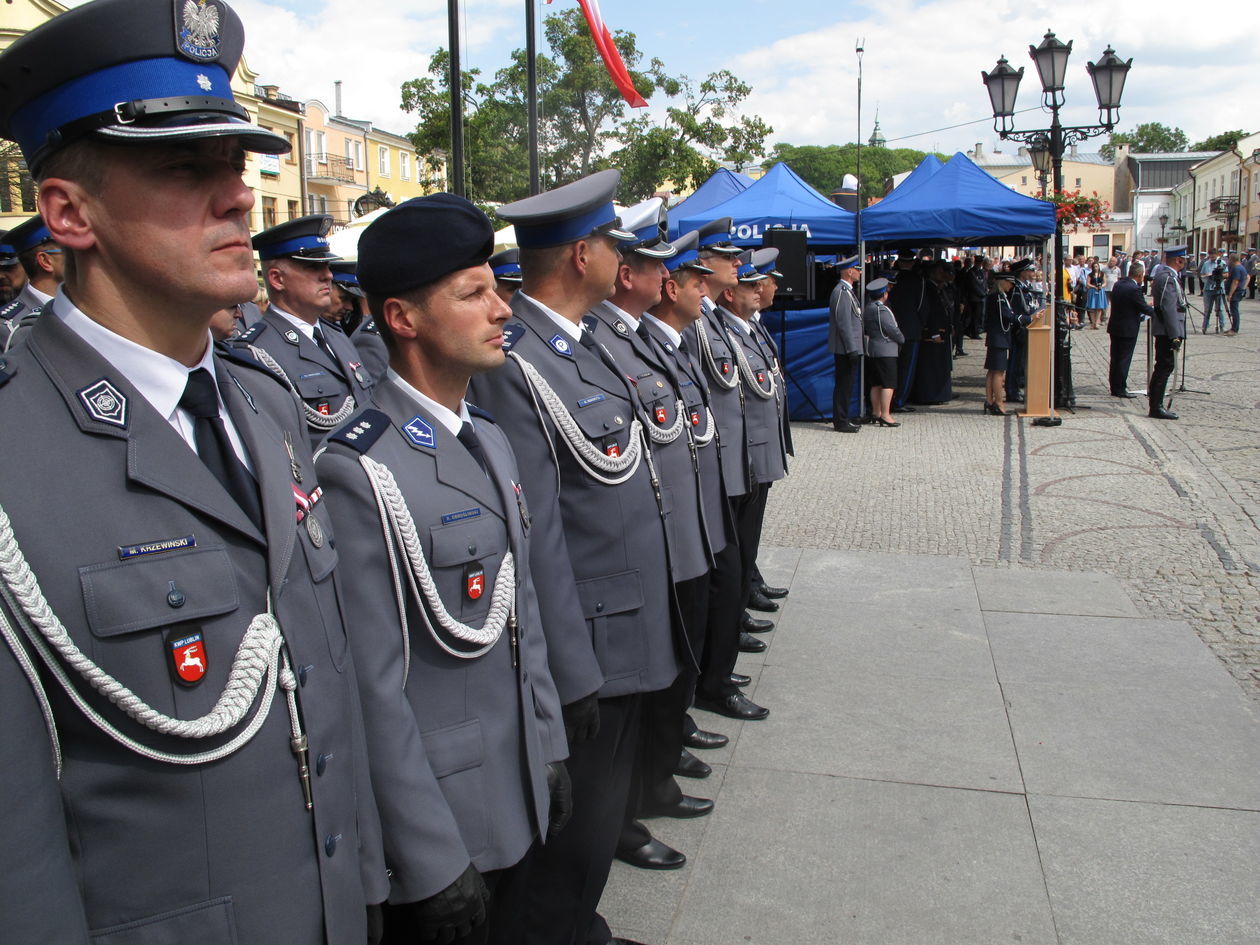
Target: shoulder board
{"points": [[29, 319], [7, 370], [512, 333], [589, 322], [478, 412], [325, 323], [238, 354], [249, 335], [11, 309], [369, 326], [361, 431]]}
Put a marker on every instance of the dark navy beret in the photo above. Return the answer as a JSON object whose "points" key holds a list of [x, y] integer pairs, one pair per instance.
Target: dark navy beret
{"points": [[127, 70], [421, 241], [303, 238]]}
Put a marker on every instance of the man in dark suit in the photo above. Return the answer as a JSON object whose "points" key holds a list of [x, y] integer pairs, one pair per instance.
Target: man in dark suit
{"points": [[1129, 309]]}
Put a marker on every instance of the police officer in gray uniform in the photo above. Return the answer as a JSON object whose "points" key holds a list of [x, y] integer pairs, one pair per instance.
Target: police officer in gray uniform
{"points": [[844, 341], [463, 721], [1168, 326], [362, 329], [182, 758], [573, 421], [41, 261], [314, 359]]}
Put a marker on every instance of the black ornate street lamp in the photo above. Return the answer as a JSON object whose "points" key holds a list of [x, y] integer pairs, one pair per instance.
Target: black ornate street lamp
{"points": [[1051, 58], [1163, 223], [1039, 151]]}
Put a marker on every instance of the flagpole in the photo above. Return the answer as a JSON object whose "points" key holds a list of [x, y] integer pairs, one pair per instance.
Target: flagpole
{"points": [[457, 101], [531, 94]]}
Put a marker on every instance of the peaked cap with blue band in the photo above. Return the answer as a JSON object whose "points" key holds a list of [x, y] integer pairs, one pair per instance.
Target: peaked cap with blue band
{"points": [[688, 255], [766, 260], [8, 255], [422, 240], [303, 239], [1170, 253], [345, 274], [649, 224], [127, 71], [715, 237], [28, 234], [506, 265], [747, 271], [567, 214]]}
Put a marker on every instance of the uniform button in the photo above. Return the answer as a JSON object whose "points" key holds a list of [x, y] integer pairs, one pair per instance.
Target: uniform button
{"points": [[320, 389], [322, 762], [599, 608], [176, 599], [330, 843], [302, 671], [472, 549], [605, 426]]}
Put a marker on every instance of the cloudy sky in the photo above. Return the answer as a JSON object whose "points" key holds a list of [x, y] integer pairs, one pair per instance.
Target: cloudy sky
{"points": [[921, 65]]}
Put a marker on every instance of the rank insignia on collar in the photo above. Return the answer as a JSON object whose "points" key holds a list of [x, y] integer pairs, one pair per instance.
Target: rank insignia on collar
{"points": [[561, 344], [105, 403], [188, 658], [621, 327], [419, 432], [291, 337], [474, 580]]}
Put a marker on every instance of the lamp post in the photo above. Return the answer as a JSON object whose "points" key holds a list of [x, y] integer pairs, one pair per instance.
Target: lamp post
{"points": [[1163, 224], [1051, 58], [1039, 151]]}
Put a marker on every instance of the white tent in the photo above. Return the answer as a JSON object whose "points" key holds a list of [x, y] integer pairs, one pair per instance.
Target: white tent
{"points": [[345, 242]]}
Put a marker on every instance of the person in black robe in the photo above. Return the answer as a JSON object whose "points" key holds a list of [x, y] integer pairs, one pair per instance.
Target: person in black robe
{"points": [[906, 301], [932, 379]]}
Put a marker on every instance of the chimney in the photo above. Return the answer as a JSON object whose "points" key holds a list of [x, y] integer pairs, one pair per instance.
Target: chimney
{"points": [[271, 92], [1022, 151], [979, 149], [337, 97], [1072, 150]]}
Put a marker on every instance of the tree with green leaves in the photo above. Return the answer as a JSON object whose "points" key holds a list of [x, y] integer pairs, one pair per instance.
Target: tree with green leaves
{"points": [[1225, 141], [1151, 137], [823, 166]]}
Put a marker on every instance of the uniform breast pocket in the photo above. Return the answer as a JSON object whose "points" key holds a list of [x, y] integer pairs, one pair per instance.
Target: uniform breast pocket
{"points": [[316, 386], [611, 603], [464, 559], [605, 423]]}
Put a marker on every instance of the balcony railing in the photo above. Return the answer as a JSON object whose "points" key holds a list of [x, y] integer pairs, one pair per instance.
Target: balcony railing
{"points": [[329, 167], [1223, 206]]}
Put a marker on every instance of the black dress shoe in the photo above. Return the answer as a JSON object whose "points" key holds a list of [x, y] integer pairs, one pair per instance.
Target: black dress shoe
{"points": [[739, 679], [1159, 413], [627, 941], [701, 739], [685, 807], [759, 601], [653, 855], [1128, 395], [750, 644], [774, 593], [905, 409], [735, 706], [753, 624], [689, 766], [846, 427]]}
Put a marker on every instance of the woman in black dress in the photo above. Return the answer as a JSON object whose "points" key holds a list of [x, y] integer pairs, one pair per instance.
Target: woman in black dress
{"points": [[932, 380], [998, 321], [883, 342]]}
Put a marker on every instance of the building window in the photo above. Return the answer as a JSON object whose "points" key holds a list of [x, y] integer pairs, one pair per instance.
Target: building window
{"points": [[269, 212], [404, 165], [354, 154], [291, 157], [1023, 181], [382, 155], [294, 209], [317, 203], [1078, 183]]}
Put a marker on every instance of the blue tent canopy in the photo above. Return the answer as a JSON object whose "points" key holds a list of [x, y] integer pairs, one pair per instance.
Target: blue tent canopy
{"points": [[917, 178], [721, 185], [779, 199], [961, 205]]}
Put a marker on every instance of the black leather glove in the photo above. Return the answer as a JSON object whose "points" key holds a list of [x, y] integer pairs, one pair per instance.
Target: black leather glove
{"points": [[455, 911], [581, 719], [1175, 344], [561, 790]]}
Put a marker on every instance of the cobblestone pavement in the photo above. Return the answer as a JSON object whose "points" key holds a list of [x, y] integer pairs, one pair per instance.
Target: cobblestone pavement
{"points": [[1172, 509]]}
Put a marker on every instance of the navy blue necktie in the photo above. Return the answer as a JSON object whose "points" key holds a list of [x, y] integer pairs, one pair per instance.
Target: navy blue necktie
{"points": [[201, 400]]}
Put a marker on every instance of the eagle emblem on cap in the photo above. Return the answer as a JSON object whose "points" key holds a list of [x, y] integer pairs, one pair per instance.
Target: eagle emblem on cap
{"points": [[198, 29]]}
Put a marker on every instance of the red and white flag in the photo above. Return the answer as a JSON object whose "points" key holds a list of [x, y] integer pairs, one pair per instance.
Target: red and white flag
{"points": [[617, 70]]}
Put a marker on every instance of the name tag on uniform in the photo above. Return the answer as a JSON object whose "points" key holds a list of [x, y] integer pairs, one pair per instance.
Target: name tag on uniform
{"points": [[463, 516], [587, 401], [155, 547]]}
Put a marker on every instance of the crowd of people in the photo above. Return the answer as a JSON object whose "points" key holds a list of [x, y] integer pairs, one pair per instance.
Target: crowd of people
{"points": [[376, 613]]}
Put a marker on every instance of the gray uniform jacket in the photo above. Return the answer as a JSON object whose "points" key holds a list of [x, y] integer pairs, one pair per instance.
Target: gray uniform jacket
{"points": [[844, 332], [1170, 304], [763, 336], [883, 338], [136, 546], [677, 464], [17, 318], [727, 403], [767, 450], [372, 351], [458, 746], [613, 545], [319, 381], [695, 395]]}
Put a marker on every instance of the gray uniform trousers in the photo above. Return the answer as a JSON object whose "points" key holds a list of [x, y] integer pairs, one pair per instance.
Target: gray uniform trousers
{"points": [[138, 547]]}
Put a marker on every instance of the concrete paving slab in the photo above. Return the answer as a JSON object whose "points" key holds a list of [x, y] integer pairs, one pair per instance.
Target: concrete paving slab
{"points": [[1168, 743], [1052, 649], [898, 728], [1148, 874], [1053, 592], [796, 858]]}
